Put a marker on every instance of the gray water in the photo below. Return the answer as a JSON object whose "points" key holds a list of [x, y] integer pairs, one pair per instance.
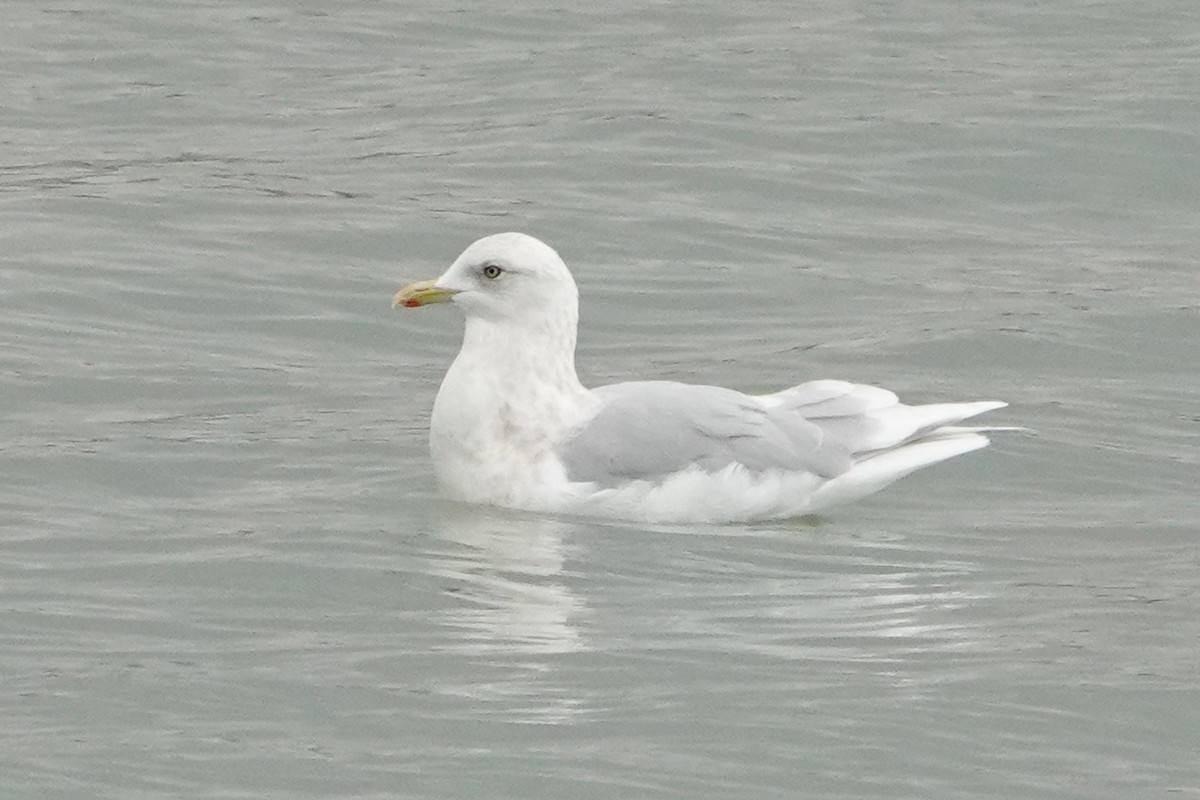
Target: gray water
{"points": [[224, 567]]}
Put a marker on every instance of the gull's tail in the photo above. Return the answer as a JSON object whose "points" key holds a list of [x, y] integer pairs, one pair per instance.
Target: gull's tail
{"points": [[888, 439], [878, 469]]}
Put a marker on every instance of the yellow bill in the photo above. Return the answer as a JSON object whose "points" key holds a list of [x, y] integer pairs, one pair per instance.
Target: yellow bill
{"points": [[422, 293]]}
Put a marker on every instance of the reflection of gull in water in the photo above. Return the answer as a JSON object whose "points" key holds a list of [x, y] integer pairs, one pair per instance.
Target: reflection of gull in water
{"points": [[794, 594], [508, 575]]}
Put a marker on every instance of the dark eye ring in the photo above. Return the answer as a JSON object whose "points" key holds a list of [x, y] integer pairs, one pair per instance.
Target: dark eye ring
{"points": [[491, 271]]}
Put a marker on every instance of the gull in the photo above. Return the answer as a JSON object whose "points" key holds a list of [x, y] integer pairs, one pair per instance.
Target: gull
{"points": [[513, 426]]}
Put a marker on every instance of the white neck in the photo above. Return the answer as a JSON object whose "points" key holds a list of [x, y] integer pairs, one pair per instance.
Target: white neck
{"points": [[540, 351]]}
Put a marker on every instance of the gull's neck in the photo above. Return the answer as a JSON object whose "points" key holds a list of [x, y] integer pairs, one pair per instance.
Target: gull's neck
{"points": [[538, 354]]}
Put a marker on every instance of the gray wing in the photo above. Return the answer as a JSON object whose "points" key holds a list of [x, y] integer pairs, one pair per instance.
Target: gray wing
{"points": [[650, 429]]}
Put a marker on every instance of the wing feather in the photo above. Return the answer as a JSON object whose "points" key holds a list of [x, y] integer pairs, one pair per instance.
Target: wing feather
{"points": [[651, 429]]}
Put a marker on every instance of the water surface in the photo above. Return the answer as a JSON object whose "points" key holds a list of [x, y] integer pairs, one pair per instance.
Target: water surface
{"points": [[224, 567]]}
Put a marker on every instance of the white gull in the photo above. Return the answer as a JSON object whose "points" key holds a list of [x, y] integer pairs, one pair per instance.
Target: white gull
{"points": [[513, 426]]}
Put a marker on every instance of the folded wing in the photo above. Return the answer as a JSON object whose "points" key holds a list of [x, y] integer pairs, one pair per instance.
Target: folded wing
{"points": [[653, 429]]}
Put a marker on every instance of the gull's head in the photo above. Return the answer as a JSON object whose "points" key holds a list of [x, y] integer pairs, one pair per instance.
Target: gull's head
{"points": [[503, 276]]}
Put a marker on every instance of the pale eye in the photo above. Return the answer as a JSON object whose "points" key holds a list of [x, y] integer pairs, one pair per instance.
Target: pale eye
{"points": [[492, 271]]}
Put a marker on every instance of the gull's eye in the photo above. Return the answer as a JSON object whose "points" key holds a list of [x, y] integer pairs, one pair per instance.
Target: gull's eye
{"points": [[492, 271]]}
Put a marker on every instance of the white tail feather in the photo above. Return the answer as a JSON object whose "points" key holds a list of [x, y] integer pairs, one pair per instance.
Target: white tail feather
{"points": [[877, 471]]}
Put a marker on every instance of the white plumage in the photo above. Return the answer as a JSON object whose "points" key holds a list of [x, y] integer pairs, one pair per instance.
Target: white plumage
{"points": [[513, 426]]}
